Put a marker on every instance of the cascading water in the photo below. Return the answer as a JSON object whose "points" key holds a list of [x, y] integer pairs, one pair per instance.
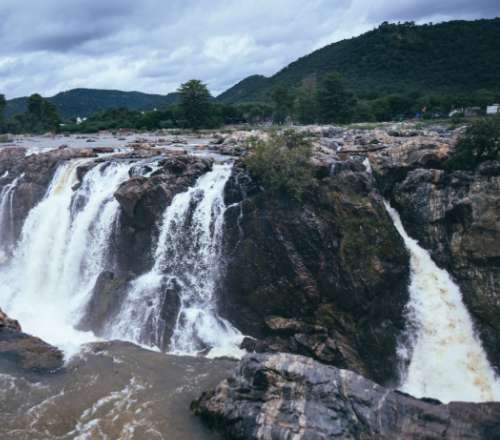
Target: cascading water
{"points": [[447, 359], [7, 217], [187, 261], [62, 249]]}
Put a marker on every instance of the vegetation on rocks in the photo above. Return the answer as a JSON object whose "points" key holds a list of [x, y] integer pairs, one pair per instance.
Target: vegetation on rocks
{"points": [[281, 163], [481, 142]]}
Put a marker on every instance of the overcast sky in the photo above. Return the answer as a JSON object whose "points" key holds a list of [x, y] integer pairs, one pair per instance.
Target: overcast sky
{"points": [[48, 46]]}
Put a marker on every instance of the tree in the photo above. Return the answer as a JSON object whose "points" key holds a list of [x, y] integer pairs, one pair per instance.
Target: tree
{"points": [[195, 103], [335, 100], [480, 142], [3, 104], [283, 104], [282, 163], [41, 115], [306, 104]]}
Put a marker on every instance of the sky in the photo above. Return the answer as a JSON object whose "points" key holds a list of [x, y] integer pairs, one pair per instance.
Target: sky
{"points": [[48, 46]]}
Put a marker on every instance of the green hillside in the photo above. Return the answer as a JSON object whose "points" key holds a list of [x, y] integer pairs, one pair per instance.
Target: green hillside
{"points": [[85, 102], [451, 57]]}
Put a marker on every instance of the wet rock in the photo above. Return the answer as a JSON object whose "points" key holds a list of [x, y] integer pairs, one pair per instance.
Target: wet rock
{"points": [[332, 268], [25, 351], [105, 300], [282, 396], [8, 323], [143, 201]]}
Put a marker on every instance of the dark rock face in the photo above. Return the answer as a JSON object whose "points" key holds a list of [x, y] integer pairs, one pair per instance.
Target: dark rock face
{"points": [[106, 297], [283, 396], [143, 201], [456, 216], [325, 278], [24, 351]]}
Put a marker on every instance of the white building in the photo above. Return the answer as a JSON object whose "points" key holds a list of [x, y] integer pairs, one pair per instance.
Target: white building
{"points": [[493, 109]]}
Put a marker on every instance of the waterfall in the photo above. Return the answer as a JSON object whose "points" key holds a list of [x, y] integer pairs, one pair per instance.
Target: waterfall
{"points": [[7, 217], [62, 249], [447, 360], [183, 278]]}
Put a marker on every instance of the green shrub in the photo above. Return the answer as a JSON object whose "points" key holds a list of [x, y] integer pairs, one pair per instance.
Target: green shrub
{"points": [[282, 163], [480, 142]]}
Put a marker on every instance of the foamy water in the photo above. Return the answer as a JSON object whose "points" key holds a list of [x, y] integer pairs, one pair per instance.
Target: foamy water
{"points": [[62, 250], [446, 358]]}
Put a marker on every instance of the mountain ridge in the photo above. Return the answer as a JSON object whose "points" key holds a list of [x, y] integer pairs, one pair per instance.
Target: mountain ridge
{"points": [[83, 102], [453, 56]]}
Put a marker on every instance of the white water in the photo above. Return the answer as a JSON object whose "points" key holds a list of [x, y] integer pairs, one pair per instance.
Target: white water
{"points": [[7, 217], [187, 260], [447, 359], [62, 250]]}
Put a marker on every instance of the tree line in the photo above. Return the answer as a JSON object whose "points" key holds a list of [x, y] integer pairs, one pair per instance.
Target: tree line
{"points": [[330, 100]]}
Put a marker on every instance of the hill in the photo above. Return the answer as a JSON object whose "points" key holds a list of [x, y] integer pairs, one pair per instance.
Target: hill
{"points": [[85, 102], [456, 56]]}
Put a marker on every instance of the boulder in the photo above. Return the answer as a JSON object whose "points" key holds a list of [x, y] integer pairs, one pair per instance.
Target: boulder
{"points": [[284, 396], [25, 351]]}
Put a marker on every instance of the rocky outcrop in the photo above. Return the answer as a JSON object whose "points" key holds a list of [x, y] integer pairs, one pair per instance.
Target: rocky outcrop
{"points": [[143, 199], [282, 396], [25, 351], [456, 216], [325, 277]]}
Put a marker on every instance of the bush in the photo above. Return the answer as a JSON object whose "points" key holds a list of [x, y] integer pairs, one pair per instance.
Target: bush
{"points": [[281, 163], [480, 142]]}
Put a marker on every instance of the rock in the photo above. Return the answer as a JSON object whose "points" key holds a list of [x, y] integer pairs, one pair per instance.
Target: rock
{"points": [[332, 268], [8, 323], [143, 201], [105, 301], [24, 351], [283, 396]]}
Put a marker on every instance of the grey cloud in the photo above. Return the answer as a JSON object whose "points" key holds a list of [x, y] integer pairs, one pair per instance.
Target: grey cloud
{"points": [[427, 9], [154, 45]]}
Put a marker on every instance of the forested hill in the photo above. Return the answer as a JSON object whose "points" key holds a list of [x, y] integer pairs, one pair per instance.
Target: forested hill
{"points": [[456, 56], [85, 102]]}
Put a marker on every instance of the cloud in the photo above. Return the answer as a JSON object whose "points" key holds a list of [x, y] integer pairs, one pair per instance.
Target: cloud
{"points": [[155, 45]]}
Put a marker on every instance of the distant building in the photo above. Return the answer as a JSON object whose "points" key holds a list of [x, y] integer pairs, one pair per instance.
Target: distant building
{"points": [[472, 111], [493, 109]]}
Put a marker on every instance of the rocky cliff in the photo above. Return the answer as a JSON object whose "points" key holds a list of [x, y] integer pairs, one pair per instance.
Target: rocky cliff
{"points": [[325, 277], [282, 396]]}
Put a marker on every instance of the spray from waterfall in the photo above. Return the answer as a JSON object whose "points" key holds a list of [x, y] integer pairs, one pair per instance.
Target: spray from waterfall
{"points": [[182, 282], [62, 249], [446, 358]]}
